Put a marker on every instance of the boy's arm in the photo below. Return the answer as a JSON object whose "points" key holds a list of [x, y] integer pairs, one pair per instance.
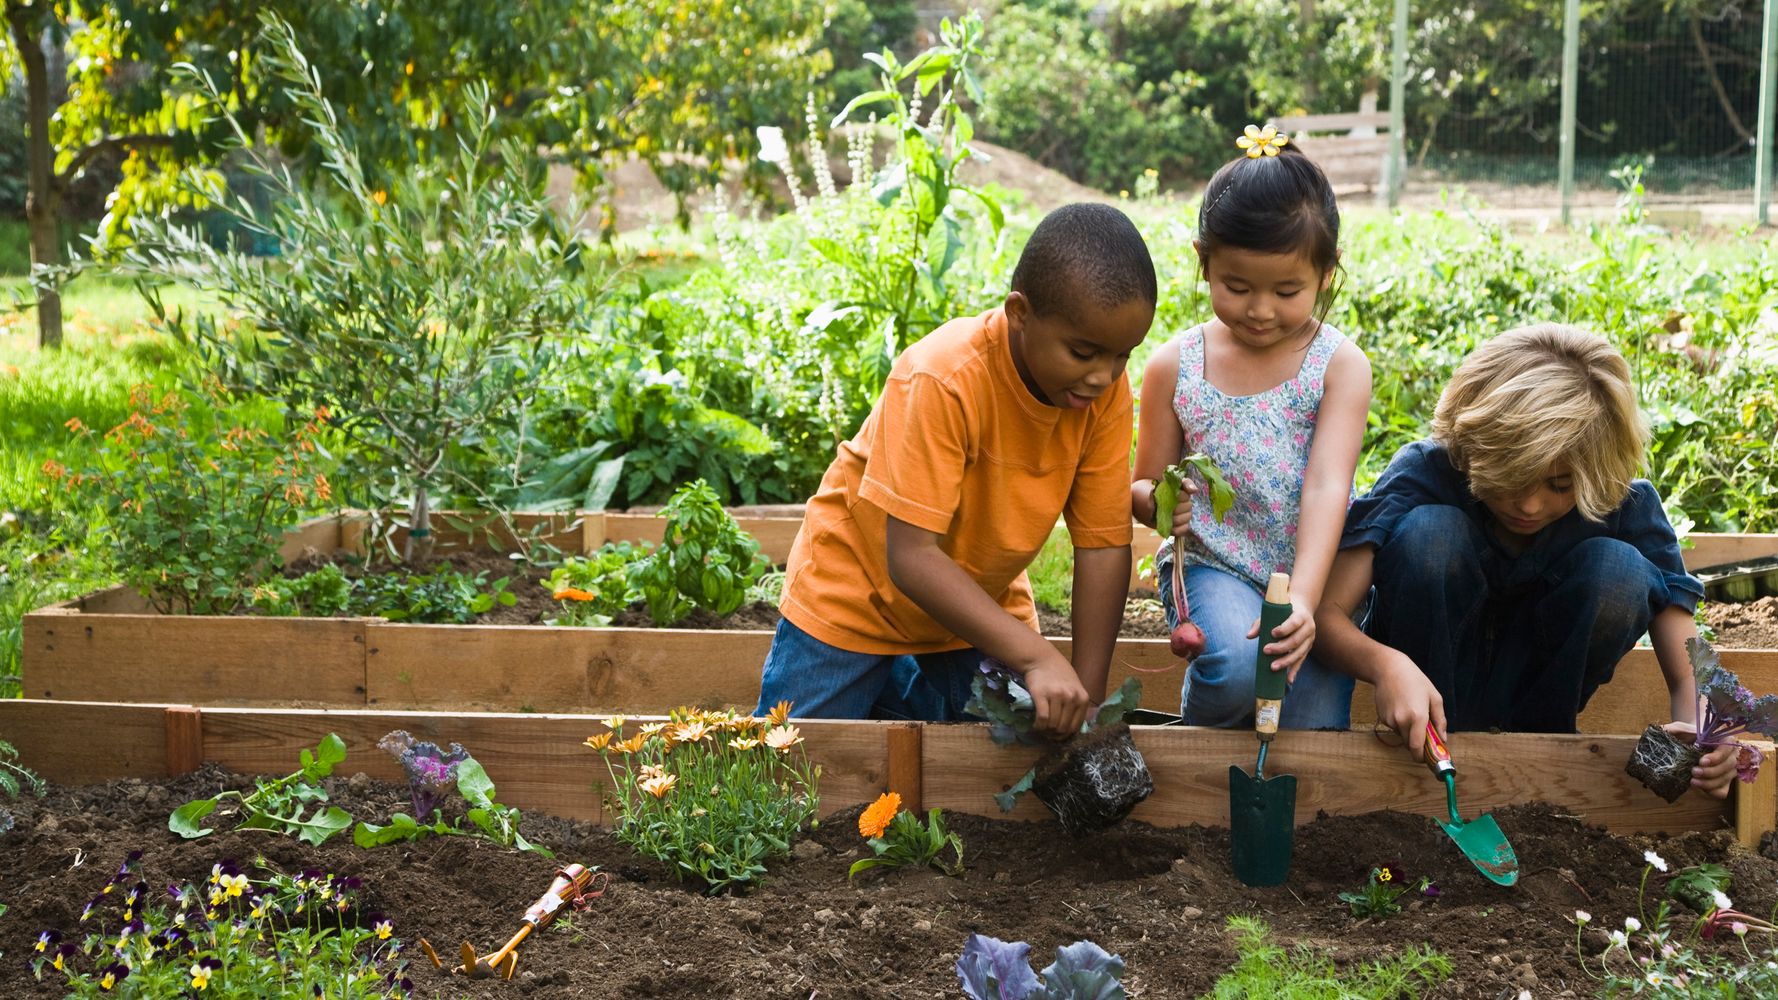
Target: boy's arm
{"points": [[1101, 584], [1406, 699], [921, 570]]}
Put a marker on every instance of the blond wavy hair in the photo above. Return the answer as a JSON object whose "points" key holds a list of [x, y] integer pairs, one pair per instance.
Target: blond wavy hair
{"points": [[1541, 397]]}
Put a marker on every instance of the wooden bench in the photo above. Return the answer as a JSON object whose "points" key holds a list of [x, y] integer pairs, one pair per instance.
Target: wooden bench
{"points": [[1352, 149]]}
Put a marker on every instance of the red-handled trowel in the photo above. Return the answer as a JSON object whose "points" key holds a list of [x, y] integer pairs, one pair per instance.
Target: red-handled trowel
{"points": [[1262, 810], [1480, 839]]}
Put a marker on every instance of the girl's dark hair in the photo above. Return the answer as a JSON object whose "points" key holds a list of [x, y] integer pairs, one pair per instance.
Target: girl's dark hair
{"points": [[1271, 204]]}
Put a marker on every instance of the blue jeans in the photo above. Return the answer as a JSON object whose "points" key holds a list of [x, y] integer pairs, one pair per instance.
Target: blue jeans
{"points": [[1511, 642], [1218, 688], [826, 682]]}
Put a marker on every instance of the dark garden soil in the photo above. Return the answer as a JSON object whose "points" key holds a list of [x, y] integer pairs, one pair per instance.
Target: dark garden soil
{"points": [[1159, 898], [1753, 625]]}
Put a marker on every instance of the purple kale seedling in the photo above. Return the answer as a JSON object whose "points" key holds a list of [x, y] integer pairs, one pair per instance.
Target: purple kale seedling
{"points": [[1727, 710], [431, 772]]}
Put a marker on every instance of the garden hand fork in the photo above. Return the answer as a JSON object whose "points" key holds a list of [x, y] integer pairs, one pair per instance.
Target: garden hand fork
{"points": [[573, 885]]}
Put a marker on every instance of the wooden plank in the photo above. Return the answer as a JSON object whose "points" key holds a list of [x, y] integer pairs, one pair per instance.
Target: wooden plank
{"points": [[1712, 549], [317, 534], [194, 660], [906, 765], [1756, 803], [1341, 773], [1635, 696], [185, 739], [537, 761], [77, 743], [561, 669], [1341, 122]]}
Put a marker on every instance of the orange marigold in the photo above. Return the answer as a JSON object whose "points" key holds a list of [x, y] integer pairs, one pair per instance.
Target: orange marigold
{"points": [[574, 594], [876, 816]]}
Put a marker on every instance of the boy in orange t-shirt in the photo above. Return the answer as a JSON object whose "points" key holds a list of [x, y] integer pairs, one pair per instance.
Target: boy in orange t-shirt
{"points": [[910, 565]]}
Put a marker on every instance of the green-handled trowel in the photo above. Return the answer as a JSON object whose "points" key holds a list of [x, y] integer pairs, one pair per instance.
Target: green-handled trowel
{"points": [[1262, 810], [1480, 839]]}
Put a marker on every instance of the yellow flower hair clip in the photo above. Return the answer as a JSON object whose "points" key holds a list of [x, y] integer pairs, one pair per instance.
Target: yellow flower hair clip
{"points": [[1260, 142]]}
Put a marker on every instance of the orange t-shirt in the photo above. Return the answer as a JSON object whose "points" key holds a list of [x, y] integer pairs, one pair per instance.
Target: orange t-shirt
{"points": [[958, 446]]}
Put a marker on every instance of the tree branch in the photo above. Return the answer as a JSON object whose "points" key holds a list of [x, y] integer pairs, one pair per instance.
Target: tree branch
{"points": [[87, 153], [1722, 96]]}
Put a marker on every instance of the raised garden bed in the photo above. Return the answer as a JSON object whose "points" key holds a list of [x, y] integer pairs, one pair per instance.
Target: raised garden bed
{"points": [[1157, 897]]}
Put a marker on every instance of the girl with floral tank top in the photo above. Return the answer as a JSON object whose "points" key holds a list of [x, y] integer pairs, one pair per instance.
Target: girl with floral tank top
{"points": [[1278, 399]]}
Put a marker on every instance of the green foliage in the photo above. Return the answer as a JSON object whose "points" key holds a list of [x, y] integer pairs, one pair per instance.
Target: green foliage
{"points": [[856, 27], [322, 593], [15, 776], [1698, 885], [900, 840], [418, 314], [1659, 955], [442, 596], [1383, 889], [1052, 573], [233, 937], [712, 795], [997, 695], [704, 560], [280, 804], [1172, 485], [1265, 971], [1054, 90], [594, 588], [486, 817], [193, 511]]}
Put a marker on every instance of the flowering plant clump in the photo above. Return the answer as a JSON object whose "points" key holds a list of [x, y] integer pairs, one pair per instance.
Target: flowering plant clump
{"points": [[194, 510], [1383, 890], [1726, 709], [230, 936], [714, 795], [897, 838], [594, 588], [280, 804], [433, 774]]}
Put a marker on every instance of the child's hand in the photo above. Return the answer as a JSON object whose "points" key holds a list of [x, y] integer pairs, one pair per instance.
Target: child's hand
{"points": [[1716, 770], [1182, 512], [1059, 697], [1291, 640]]}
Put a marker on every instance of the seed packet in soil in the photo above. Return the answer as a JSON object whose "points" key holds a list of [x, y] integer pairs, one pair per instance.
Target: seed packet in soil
{"points": [[1664, 763], [1094, 781]]}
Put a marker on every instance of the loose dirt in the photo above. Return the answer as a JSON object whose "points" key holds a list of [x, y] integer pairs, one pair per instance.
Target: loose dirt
{"points": [[1159, 898]]}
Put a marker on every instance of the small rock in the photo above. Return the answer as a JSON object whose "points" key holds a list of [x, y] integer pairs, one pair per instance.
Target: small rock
{"points": [[48, 824], [1524, 976], [358, 782], [808, 850], [1497, 960], [922, 925], [1190, 913], [824, 916], [686, 969]]}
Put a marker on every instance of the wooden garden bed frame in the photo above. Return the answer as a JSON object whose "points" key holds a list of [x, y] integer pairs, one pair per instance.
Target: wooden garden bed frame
{"points": [[109, 647], [539, 763]]}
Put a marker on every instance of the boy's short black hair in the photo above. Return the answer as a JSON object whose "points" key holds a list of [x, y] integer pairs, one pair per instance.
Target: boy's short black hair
{"points": [[1085, 250]]}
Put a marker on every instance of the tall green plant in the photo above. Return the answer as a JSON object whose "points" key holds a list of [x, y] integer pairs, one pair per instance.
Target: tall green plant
{"points": [[417, 314]]}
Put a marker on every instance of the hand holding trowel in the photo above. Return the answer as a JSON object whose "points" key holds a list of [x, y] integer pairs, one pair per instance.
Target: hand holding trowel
{"points": [[1480, 839], [1262, 811]]}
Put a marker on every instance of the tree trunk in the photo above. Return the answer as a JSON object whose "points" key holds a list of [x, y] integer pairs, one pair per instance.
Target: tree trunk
{"points": [[42, 199], [418, 550]]}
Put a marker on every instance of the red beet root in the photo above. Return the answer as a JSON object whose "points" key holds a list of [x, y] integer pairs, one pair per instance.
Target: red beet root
{"points": [[1187, 640]]}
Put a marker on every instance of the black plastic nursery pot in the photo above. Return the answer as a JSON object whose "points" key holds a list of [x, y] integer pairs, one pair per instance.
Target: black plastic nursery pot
{"points": [[1663, 763], [1094, 781]]}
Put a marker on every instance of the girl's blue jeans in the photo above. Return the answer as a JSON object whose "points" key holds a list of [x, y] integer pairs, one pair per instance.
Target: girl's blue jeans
{"points": [[825, 682], [1218, 689], [1514, 643]]}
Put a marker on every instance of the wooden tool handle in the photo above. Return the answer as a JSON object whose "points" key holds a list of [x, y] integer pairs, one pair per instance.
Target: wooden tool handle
{"points": [[1269, 684]]}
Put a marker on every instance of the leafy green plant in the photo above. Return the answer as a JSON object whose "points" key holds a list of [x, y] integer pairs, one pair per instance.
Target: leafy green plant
{"points": [[418, 313], [193, 511], [16, 777], [432, 775], [1383, 889], [1265, 971], [234, 936], [997, 696], [444, 595], [321, 593], [281, 805], [1052, 573], [704, 560], [713, 795], [898, 838], [594, 588]]}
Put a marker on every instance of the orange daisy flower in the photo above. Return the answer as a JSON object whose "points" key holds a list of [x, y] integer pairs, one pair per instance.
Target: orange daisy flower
{"points": [[876, 816]]}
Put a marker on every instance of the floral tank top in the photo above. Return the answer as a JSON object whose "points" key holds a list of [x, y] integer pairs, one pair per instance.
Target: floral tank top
{"points": [[1261, 444]]}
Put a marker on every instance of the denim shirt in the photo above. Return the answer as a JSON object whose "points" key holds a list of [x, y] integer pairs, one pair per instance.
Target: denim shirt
{"points": [[1422, 473]]}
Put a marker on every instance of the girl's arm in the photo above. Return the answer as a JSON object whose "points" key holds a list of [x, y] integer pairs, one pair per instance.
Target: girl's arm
{"points": [[1668, 633], [1327, 485], [1159, 438]]}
